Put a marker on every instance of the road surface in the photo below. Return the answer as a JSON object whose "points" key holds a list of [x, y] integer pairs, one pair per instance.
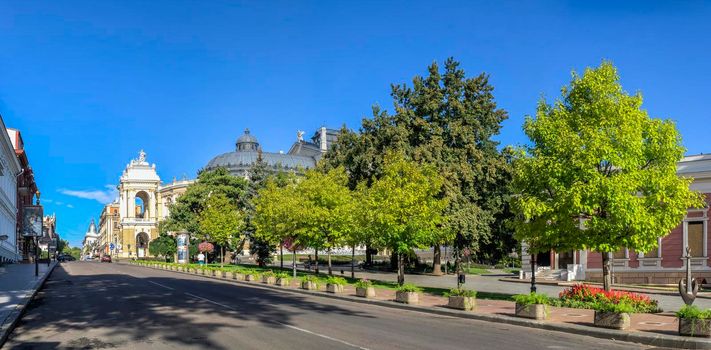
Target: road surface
{"points": [[94, 305]]}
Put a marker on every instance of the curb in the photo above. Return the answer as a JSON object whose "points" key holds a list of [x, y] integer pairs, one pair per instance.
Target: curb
{"points": [[658, 340], [14, 317]]}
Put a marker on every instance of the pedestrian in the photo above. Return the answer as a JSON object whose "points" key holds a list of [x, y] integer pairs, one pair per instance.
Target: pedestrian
{"points": [[201, 258]]}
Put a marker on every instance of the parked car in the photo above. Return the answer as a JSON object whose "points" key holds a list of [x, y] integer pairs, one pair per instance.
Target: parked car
{"points": [[106, 258], [65, 257]]}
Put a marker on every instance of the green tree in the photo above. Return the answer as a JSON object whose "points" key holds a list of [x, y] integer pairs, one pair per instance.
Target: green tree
{"points": [[164, 245], [185, 212], [599, 174], [259, 175], [447, 121], [326, 219], [221, 221], [404, 207]]}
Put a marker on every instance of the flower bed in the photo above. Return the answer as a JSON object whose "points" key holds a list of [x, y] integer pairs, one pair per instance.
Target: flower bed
{"points": [[584, 296]]}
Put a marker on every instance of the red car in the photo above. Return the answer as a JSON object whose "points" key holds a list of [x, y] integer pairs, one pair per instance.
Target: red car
{"points": [[106, 258]]}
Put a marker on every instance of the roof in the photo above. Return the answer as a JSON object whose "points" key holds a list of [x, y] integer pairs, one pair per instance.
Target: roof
{"points": [[248, 158]]}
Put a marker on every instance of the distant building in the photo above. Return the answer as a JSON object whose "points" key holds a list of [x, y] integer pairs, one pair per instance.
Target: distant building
{"points": [[89, 243], [131, 222], [10, 169], [301, 156]]}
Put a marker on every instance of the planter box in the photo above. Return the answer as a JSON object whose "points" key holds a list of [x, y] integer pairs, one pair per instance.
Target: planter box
{"points": [[221, 274], [199, 271], [334, 288], [237, 276], [534, 311], [308, 285], [694, 327], [462, 303], [250, 278], [612, 320], [282, 282], [268, 279], [365, 292], [407, 297]]}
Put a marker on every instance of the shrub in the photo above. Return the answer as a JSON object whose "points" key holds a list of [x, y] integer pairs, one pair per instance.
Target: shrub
{"points": [[283, 276], [340, 281], [364, 283], [622, 306], [532, 298], [409, 288], [588, 297], [310, 278], [691, 312], [455, 292], [269, 273]]}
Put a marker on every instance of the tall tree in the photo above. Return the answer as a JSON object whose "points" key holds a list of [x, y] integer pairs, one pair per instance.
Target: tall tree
{"points": [[600, 174], [277, 211], [447, 121], [164, 245], [404, 207], [259, 175], [328, 210], [221, 222]]}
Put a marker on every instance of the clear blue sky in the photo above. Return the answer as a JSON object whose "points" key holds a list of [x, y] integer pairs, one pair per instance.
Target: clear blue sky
{"points": [[91, 83]]}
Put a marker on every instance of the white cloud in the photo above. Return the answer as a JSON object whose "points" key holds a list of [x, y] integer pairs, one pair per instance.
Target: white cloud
{"points": [[102, 196], [70, 206]]}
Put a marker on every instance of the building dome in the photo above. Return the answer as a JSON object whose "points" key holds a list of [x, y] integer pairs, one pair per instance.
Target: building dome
{"points": [[92, 229], [247, 142]]}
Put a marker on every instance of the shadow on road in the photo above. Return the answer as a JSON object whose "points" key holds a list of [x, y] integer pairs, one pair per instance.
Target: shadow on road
{"points": [[136, 310]]}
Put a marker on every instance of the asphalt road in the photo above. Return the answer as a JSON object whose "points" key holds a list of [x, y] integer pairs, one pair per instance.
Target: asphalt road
{"points": [[92, 305]]}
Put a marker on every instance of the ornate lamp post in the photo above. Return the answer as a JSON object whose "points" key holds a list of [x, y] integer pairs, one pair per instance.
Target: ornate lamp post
{"points": [[689, 289]]}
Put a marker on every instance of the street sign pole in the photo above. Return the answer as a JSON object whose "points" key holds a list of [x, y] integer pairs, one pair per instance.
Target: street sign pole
{"points": [[36, 261]]}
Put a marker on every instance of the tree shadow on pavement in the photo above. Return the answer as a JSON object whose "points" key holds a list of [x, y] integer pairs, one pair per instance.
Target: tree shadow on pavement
{"points": [[151, 309]]}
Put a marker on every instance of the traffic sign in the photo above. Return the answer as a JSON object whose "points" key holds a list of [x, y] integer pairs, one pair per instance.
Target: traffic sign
{"points": [[111, 246]]}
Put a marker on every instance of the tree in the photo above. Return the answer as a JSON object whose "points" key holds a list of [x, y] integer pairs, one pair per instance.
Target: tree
{"points": [[446, 121], [221, 221], [185, 212], [258, 177], [164, 245], [276, 212], [61, 245], [328, 208], [599, 174], [404, 207]]}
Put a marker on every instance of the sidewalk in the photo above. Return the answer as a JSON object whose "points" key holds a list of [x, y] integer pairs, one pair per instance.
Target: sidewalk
{"points": [[18, 285]]}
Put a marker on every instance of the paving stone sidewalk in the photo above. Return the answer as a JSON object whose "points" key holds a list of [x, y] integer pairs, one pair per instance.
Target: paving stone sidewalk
{"points": [[17, 286]]}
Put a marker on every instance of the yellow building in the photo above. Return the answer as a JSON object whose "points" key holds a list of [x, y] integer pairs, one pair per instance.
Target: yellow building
{"points": [[132, 221]]}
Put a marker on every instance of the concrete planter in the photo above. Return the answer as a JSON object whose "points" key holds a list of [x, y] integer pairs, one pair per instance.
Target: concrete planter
{"points": [[250, 278], [368, 292], [462, 303], [534, 311], [237, 276], [612, 320], [309, 285], [269, 279], [199, 272], [222, 274], [407, 297], [282, 282], [692, 327], [334, 288]]}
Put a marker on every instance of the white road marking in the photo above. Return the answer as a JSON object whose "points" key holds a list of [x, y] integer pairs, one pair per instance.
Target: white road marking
{"points": [[322, 336], [161, 285], [210, 301], [285, 325]]}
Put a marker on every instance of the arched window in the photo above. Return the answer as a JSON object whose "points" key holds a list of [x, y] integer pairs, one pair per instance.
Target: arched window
{"points": [[142, 205]]}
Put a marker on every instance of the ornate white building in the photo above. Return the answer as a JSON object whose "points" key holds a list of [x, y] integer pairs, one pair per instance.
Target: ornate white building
{"points": [[143, 202], [9, 170], [89, 242]]}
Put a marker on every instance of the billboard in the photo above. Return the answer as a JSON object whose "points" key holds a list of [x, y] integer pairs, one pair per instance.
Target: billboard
{"points": [[183, 240], [32, 221]]}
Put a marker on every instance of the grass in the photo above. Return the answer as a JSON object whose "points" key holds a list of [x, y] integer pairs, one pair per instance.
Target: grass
{"points": [[476, 271]]}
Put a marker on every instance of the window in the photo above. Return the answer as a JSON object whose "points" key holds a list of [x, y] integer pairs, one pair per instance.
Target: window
{"points": [[695, 238]]}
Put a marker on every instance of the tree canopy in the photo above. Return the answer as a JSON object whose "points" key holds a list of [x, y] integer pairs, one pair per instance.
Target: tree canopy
{"points": [[221, 222], [600, 173]]}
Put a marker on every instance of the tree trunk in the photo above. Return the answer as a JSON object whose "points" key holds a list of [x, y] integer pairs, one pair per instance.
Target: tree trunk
{"points": [[400, 270], [222, 256], [281, 256], [437, 260], [330, 271], [316, 262], [353, 262], [293, 262], [606, 277], [368, 256]]}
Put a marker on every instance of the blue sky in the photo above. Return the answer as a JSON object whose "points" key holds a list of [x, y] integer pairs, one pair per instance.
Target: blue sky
{"points": [[91, 83]]}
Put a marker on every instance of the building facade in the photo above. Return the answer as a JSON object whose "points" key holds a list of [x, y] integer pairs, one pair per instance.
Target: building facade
{"points": [[301, 156], [131, 222], [89, 247], [10, 169], [27, 192], [664, 265]]}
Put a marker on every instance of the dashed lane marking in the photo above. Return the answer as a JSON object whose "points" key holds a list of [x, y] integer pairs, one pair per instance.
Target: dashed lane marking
{"points": [[161, 285]]}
